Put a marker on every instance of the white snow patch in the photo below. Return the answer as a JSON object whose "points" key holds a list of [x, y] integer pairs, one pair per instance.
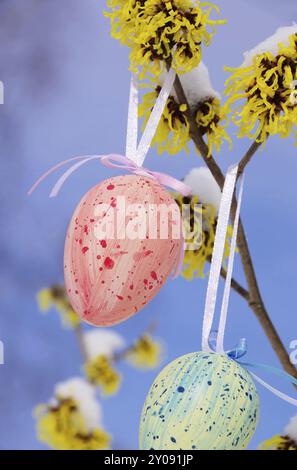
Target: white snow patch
{"points": [[85, 396], [102, 341], [291, 429], [196, 84], [281, 36], [205, 186]]}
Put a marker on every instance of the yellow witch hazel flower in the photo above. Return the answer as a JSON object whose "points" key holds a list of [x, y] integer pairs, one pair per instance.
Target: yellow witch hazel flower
{"points": [[263, 88], [73, 418], [278, 442], [201, 227], [146, 353], [212, 120], [101, 348], [173, 133], [287, 441], [56, 296], [101, 373], [162, 31]]}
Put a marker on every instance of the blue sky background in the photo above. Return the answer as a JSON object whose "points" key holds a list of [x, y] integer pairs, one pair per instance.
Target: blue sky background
{"points": [[66, 84]]}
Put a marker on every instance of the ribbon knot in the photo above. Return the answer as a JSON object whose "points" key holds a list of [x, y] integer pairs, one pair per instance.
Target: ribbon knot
{"points": [[237, 352], [124, 163]]}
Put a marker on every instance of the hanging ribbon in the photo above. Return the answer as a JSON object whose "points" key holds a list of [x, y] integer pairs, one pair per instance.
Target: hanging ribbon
{"points": [[135, 155], [213, 341]]}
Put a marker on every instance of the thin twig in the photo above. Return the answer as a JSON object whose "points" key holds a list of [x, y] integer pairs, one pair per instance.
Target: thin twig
{"points": [[116, 357], [247, 157], [81, 342], [255, 299]]}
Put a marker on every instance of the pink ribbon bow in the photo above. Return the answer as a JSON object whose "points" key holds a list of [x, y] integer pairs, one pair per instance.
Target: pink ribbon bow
{"points": [[111, 161], [123, 163]]}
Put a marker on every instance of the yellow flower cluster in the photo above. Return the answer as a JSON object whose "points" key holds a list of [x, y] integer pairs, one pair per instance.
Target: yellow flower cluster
{"points": [[279, 443], [55, 296], [146, 353], [63, 427], [101, 373], [267, 104], [195, 260], [162, 31], [173, 132], [212, 121]]}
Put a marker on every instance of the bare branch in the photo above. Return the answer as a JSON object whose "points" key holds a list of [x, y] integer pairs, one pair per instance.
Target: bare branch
{"points": [[248, 156], [255, 299], [81, 342]]}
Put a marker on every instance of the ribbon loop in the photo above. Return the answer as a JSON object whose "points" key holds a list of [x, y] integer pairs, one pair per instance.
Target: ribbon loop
{"points": [[213, 341], [135, 156], [138, 153], [217, 260], [154, 119], [132, 127], [239, 351]]}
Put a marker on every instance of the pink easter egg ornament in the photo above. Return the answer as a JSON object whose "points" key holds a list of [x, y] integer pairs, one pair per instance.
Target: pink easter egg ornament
{"points": [[120, 248]]}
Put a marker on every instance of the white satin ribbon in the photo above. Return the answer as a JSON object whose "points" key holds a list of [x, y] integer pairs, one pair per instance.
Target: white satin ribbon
{"points": [[132, 127], [217, 260], [226, 295], [275, 391], [138, 153], [213, 283]]}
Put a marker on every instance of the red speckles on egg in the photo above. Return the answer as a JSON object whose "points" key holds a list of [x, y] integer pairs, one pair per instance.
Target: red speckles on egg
{"points": [[154, 275], [120, 297], [141, 255], [85, 249], [120, 253], [110, 187], [147, 253], [109, 263], [103, 243]]}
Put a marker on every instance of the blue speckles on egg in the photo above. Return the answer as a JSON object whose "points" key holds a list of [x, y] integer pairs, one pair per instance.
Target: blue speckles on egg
{"points": [[208, 401]]}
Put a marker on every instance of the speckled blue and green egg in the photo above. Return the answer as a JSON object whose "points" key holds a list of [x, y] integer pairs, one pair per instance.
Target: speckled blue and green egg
{"points": [[200, 401]]}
